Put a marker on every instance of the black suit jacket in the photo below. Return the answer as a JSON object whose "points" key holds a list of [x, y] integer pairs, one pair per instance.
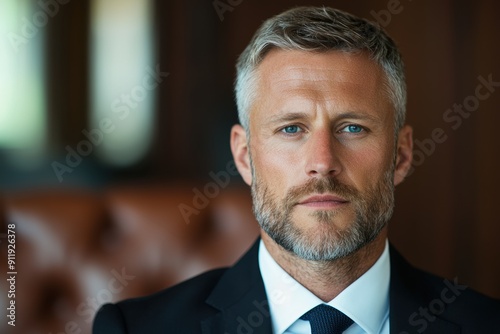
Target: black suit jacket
{"points": [[233, 300]]}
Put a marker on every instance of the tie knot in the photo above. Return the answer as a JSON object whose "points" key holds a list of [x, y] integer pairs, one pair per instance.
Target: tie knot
{"points": [[325, 319]]}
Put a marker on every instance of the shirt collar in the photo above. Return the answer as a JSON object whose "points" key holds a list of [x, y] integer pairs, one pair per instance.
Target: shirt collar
{"points": [[365, 301]]}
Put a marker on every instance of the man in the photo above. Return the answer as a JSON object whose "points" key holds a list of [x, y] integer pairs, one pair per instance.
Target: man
{"points": [[321, 99]]}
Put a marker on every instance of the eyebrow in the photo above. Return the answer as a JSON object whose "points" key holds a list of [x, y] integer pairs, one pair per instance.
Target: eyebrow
{"points": [[293, 116], [286, 117]]}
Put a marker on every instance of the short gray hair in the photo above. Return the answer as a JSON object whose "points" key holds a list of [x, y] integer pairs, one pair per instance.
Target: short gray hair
{"points": [[320, 29]]}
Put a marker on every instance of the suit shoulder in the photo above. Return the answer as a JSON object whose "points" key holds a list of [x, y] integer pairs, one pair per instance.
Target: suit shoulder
{"points": [[193, 290], [447, 299], [459, 303], [180, 307], [108, 320], [464, 294]]}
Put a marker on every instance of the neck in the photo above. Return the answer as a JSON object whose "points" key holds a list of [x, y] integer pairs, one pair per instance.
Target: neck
{"points": [[326, 279]]}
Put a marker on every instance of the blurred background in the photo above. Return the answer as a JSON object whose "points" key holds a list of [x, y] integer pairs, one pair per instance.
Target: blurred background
{"points": [[106, 94]]}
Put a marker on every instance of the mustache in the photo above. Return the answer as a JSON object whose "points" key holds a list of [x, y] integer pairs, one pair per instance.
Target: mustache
{"points": [[321, 186]]}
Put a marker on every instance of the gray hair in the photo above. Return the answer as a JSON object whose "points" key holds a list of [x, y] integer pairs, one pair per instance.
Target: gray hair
{"points": [[320, 29]]}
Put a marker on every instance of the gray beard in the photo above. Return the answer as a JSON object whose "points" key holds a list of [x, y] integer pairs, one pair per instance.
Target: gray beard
{"points": [[373, 210]]}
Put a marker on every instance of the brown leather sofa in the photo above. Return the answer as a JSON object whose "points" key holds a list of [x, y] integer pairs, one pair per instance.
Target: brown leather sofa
{"points": [[75, 250]]}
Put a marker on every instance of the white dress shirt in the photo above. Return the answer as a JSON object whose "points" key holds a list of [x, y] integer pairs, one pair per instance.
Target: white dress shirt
{"points": [[365, 301]]}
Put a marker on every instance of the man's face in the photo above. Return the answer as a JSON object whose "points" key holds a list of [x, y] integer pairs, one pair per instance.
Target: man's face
{"points": [[322, 152]]}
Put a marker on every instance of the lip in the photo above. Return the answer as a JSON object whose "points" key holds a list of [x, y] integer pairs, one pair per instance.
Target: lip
{"points": [[323, 201]]}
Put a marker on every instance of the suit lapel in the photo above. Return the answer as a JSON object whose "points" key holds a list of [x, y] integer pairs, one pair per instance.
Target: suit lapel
{"points": [[409, 294], [241, 299]]}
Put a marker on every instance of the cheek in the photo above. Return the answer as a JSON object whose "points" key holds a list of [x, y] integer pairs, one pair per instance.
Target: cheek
{"points": [[275, 165], [366, 166]]}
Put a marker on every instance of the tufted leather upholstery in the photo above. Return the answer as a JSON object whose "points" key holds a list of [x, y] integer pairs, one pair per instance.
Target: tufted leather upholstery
{"points": [[76, 250]]}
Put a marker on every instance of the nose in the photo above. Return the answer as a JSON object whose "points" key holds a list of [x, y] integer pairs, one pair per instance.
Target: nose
{"points": [[321, 158]]}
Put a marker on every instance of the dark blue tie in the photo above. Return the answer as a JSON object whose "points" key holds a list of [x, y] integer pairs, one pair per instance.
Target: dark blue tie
{"points": [[325, 319]]}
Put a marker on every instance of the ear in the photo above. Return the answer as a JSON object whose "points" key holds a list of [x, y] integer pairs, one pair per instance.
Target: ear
{"points": [[404, 156], [241, 154]]}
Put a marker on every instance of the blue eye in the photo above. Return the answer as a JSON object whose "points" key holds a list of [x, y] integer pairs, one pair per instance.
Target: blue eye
{"points": [[291, 129], [352, 129]]}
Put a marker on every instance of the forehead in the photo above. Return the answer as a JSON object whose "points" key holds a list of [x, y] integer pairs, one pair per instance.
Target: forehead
{"points": [[296, 62], [333, 78]]}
